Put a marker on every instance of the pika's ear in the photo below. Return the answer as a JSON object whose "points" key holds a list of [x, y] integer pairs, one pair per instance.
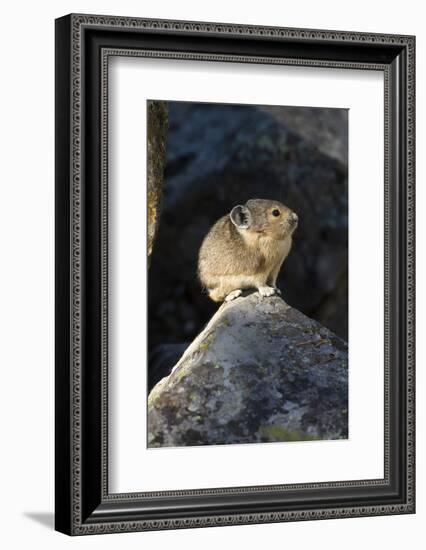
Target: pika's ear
{"points": [[241, 217]]}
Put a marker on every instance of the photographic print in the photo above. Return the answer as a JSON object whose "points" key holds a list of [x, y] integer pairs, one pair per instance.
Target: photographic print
{"points": [[248, 274], [203, 279]]}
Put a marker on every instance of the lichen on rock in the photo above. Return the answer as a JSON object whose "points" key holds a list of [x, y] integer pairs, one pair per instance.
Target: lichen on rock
{"points": [[260, 371]]}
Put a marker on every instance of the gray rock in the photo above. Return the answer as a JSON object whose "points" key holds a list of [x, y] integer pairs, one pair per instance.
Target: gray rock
{"points": [[161, 360], [260, 371], [325, 128]]}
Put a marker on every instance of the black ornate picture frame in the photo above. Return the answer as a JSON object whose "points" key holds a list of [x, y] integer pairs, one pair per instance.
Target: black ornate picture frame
{"points": [[84, 43]]}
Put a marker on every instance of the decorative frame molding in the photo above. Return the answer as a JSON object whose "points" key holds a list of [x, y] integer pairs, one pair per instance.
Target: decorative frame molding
{"points": [[83, 47]]}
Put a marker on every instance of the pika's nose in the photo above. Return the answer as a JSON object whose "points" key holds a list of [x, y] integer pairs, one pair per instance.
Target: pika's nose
{"points": [[294, 218]]}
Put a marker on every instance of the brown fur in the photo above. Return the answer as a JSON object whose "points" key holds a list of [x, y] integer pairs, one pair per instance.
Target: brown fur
{"points": [[232, 258]]}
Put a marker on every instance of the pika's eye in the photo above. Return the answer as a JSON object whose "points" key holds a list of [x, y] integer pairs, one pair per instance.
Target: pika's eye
{"points": [[276, 212]]}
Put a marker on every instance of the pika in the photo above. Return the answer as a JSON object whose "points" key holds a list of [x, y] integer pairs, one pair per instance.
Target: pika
{"points": [[246, 249]]}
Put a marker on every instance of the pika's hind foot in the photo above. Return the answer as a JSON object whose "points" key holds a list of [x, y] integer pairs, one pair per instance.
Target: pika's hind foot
{"points": [[234, 294], [267, 291]]}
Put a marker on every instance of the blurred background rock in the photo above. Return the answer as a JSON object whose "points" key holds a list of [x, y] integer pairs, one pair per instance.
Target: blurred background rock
{"points": [[222, 155]]}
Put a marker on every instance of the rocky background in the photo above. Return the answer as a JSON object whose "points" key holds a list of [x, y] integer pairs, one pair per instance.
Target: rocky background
{"points": [[222, 155]]}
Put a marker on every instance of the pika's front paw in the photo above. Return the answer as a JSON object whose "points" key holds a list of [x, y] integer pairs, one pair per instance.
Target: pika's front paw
{"points": [[267, 290], [234, 294]]}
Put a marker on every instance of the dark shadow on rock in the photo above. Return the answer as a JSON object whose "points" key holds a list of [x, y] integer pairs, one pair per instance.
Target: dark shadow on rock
{"points": [[162, 359]]}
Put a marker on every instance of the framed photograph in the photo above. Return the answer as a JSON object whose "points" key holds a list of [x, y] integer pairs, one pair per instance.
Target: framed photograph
{"points": [[234, 274]]}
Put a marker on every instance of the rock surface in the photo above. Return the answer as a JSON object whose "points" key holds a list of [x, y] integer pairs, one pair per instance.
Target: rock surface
{"points": [[162, 359], [222, 155], [260, 371], [325, 128], [156, 162]]}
